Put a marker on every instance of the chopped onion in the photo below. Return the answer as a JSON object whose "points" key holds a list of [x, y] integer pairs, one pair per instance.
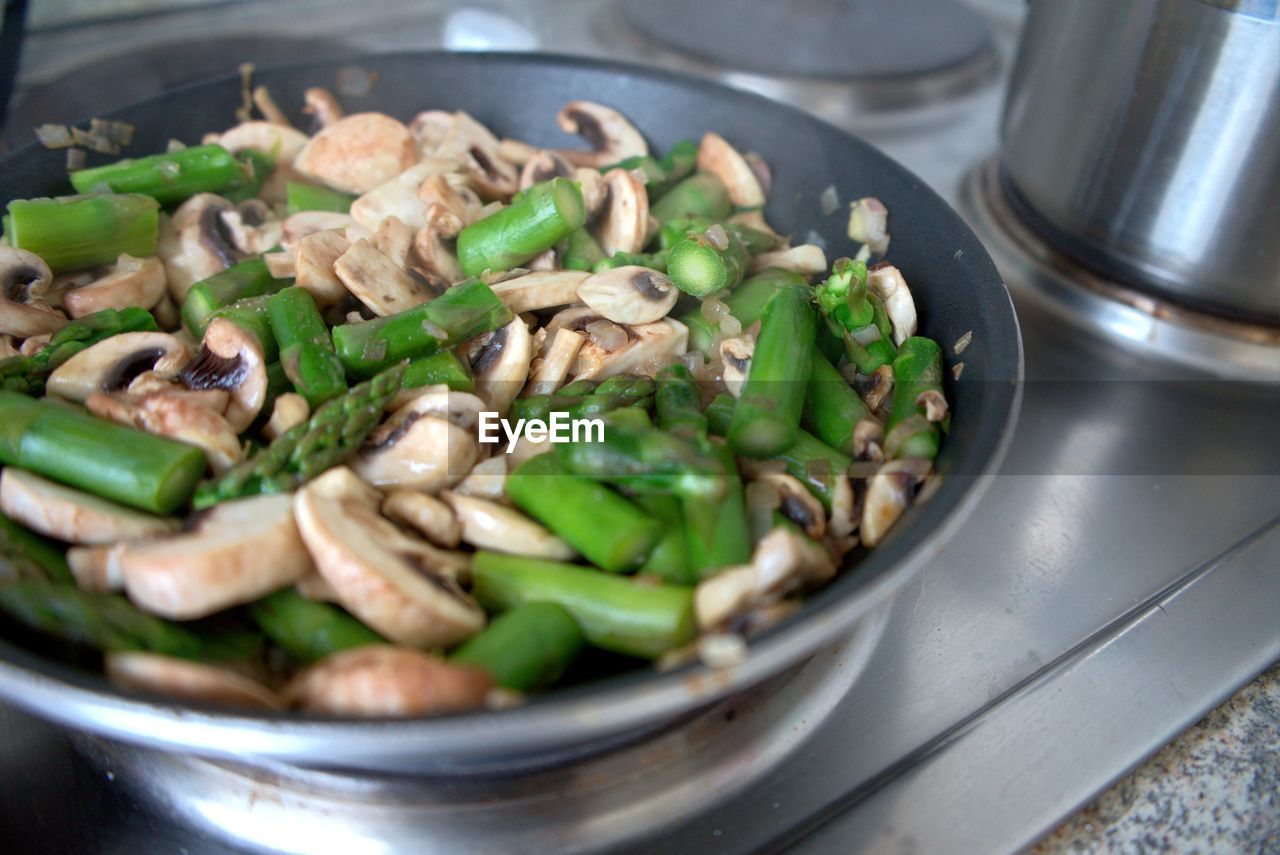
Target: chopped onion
{"points": [[902, 431], [722, 650], [713, 309], [75, 159], [866, 335], [869, 223], [718, 237], [54, 136], [355, 81], [957, 370], [962, 343], [730, 326], [606, 334], [830, 200]]}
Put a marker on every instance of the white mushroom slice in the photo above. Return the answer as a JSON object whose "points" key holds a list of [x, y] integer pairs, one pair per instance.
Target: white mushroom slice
{"points": [[806, 259], [525, 449], [545, 261], [398, 197], [783, 561], [187, 680], [420, 448], [131, 282], [624, 220], [797, 504], [376, 281], [313, 268], [477, 148], [177, 418], [518, 152], [233, 553], [322, 106], [24, 284], [612, 138], [486, 480], [429, 128], [549, 371], [594, 190], [869, 223], [97, 568], [6, 347], [886, 282], [230, 358], [112, 364], [280, 142], [380, 681], [889, 492], [544, 166], [282, 264], [73, 516], [357, 153], [435, 249], [868, 437], [403, 588], [427, 515], [722, 160], [629, 294], [313, 586], [736, 354], [253, 227], [159, 383], [500, 364], [754, 219], [489, 525], [394, 239], [298, 226], [288, 411], [191, 244], [541, 290], [653, 346], [449, 191]]}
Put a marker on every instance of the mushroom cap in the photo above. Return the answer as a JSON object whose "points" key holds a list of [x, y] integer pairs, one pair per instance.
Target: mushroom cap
{"points": [[722, 160], [131, 282], [193, 244], [428, 444], [489, 525], [403, 588], [500, 364], [187, 680], [475, 146], [426, 514], [382, 680], [782, 561], [96, 568], [358, 152], [114, 363], [176, 416], [544, 166], [232, 553], [399, 197], [887, 282], [624, 220], [611, 136], [653, 346], [797, 504], [230, 358], [434, 248], [630, 294], [25, 282], [70, 515], [543, 289]]}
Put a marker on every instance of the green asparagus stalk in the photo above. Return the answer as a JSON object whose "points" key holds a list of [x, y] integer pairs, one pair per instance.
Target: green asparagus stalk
{"points": [[28, 374], [445, 367], [311, 197], [307, 629], [746, 304], [167, 178], [249, 278], [615, 613], [610, 531], [755, 240], [464, 311], [537, 219], [851, 314], [661, 174], [917, 370], [699, 265], [305, 451], [652, 260], [251, 314], [27, 557], [580, 251], [716, 533], [669, 560], [306, 351], [257, 166], [768, 414], [101, 457], [678, 402], [525, 649], [831, 407], [699, 195], [586, 398], [73, 232]]}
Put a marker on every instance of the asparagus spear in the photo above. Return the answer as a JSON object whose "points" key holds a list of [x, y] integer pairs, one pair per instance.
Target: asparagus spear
{"points": [[615, 613], [917, 371], [699, 195], [310, 197], [301, 453], [27, 557], [306, 351], [852, 315], [586, 398], [768, 414], [610, 531], [72, 232], [307, 629], [661, 174], [669, 560], [652, 260], [580, 251], [464, 311], [716, 533], [251, 314], [257, 166], [707, 260], [537, 218], [755, 240], [831, 407], [28, 374], [101, 457], [445, 367], [678, 402], [169, 177], [527, 648], [746, 304], [249, 278]]}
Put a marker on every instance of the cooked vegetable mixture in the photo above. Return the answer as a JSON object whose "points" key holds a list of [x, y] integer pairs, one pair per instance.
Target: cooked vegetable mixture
{"points": [[246, 387]]}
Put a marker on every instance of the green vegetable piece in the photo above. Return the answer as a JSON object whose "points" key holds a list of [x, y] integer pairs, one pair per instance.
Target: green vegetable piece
{"points": [[310, 197], [700, 267], [832, 409], [249, 278], [536, 220], [525, 649], [306, 351], [445, 367], [73, 232], [699, 195], [27, 557], [167, 178], [308, 629], [917, 372]]}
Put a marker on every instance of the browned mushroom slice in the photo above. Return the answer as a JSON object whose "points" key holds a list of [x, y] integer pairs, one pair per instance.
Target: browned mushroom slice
{"points": [[114, 363], [548, 372], [435, 249], [232, 553], [648, 349], [177, 418], [518, 152], [187, 681], [889, 492], [394, 239], [398, 196], [288, 411], [500, 364], [624, 219], [735, 355], [544, 166], [783, 561], [403, 588], [797, 504], [358, 152], [426, 514], [131, 282], [322, 106], [886, 282], [304, 223], [230, 358], [380, 681], [595, 192], [629, 294], [313, 267], [428, 444], [543, 289], [429, 128], [722, 160], [477, 148], [377, 282], [24, 282], [450, 191], [97, 568], [71, 515], [194, 243], [612, 138], [806, 259]]}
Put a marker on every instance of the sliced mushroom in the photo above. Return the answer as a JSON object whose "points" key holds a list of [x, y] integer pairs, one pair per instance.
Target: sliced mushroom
{"points": [[722, 160], [875, 388], [429, 128], [449, 191], [313, 267], [6, 347], [253, 227], [381, 681], [783, 561], [541, 290], [321, 106], [612, 138], [288, 411], [279, 141], [735, 355], [630, 294], [594, 190], [230, 358], [175, 417], [398, 196], [489, 525], [544, 262], [114, 363], [869, 223], [500, 364], [435, 249], [886, 282], [187, 680], [797, 504], [549, 371], [377, 282], [165, 383], [486, 480], [304, 223], [24, 281], [807, 259], [544, 166], [232, 553], [846, 513], [423, 445], [477, 148], [653, 346], [131, 282], [281, 264], [889, 492], [403, 588], [624, 219], [518, 152], [753, 218], [73, 516], [97, 568], [358, 152], [868, 434], [194, 243], [425, 514], [394, 239]]}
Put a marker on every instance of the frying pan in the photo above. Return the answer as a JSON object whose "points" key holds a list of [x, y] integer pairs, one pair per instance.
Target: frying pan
{"points": [[956, 287]]}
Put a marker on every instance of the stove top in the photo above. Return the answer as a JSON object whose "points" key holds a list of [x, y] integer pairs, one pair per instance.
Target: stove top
{"points": [[1117, 580]]}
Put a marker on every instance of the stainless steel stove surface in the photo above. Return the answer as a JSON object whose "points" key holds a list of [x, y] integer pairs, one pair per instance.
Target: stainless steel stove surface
{"points": [[1119, 578]]}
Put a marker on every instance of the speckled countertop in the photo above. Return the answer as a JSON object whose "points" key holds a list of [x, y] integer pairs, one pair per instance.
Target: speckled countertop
{"points": [[1216, 788]]}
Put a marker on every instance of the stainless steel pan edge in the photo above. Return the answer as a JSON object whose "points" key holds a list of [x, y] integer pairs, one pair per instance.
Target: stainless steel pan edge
{"points": [[957, 288]]}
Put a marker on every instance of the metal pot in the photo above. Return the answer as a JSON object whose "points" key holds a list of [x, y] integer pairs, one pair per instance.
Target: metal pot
{"points": [[1141, 137], [956, 286]]}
